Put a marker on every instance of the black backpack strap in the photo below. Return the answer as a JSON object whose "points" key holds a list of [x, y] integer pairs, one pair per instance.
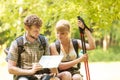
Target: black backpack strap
{"points": [[75, 45], [43, 42], [57, 44], [20, 49]]}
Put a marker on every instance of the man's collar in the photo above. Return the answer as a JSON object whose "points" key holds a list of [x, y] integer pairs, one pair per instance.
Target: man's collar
{"points": [[25, 39]]}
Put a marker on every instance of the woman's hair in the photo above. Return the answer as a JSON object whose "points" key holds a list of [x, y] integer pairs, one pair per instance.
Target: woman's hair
{"points": [[63, 25], [32, 20]]}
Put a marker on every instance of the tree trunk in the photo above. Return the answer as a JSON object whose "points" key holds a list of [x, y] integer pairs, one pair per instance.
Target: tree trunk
{"points": [[106, 42]]}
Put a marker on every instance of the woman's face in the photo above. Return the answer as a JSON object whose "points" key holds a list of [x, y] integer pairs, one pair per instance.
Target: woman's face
{"points": [[62, 35]]}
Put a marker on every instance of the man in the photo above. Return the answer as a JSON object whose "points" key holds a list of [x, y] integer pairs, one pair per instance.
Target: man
{"points": [[33, 50]]}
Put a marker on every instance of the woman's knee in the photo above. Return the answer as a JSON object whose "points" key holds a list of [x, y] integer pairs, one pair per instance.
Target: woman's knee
{"points": [[65, 75], [77, 77]]}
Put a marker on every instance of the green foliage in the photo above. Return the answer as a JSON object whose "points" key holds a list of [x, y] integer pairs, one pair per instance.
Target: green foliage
{"points": [[98, 55], [101, 15], [115, 30]]}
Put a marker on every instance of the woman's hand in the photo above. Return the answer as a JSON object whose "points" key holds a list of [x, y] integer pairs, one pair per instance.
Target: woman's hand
{"points": [[80, 24], [84, 57]]}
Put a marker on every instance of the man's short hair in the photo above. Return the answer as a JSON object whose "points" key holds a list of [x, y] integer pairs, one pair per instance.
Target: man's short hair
{"points": [[31, 20]]}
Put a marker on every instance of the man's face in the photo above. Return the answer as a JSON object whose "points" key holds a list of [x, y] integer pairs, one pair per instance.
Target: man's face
{"points": [[33, 31]]}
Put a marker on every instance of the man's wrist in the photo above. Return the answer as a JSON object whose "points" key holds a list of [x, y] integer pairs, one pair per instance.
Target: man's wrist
{"points": [[31, 72]]}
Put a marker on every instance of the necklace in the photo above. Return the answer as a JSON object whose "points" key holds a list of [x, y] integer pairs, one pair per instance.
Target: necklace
{"points": [[66, 49], [68, 57]]}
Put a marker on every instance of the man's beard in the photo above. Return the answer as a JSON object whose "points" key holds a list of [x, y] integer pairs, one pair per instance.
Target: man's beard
{"points": [[33, 37]]}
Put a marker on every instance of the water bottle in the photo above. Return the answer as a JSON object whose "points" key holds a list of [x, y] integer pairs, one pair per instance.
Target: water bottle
{"points": [[80, 53]]}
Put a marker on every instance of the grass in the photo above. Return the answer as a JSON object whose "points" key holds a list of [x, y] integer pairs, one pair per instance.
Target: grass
{"points": [[111, 54]]}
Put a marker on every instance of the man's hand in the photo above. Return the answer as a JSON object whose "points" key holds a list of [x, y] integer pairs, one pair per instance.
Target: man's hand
{"points": [[36, 67]]}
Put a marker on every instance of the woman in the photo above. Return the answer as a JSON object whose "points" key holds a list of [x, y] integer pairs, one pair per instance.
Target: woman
{"points": [[70, 60]]}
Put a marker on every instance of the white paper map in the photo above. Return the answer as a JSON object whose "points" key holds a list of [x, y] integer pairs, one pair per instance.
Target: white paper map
{"points": [[50, 61]]}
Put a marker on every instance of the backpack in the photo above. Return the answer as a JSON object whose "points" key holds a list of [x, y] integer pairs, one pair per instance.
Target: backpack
{"points": [[75, 45], [21, 47]]}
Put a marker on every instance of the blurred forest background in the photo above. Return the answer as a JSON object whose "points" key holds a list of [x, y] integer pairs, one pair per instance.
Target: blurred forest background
{"points": [[103, 16]]}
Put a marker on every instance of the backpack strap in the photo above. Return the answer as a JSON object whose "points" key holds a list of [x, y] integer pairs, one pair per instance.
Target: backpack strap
{"points": [[75, 45], [57, 44], [20, 49], [20, 46], [43, 42]]}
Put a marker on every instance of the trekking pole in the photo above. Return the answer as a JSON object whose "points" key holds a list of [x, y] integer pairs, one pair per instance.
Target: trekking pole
{"points": [[85, 62], [84, 47]]}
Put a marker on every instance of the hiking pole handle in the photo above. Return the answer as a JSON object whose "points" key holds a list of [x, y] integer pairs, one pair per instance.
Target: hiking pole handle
{"points": [[80, 29], [85, 26]]}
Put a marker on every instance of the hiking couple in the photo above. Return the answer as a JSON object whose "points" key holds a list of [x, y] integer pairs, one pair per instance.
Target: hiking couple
{"points": [[26, 51]]}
